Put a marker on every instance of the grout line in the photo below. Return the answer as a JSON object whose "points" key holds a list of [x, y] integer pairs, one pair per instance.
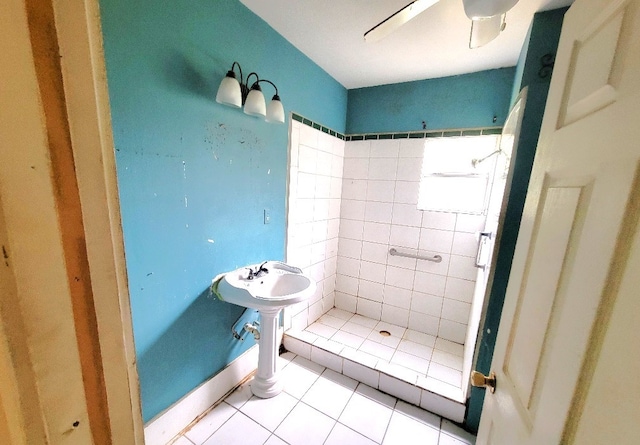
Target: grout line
{"points": [[355, 390], [223, 423], [393, 408], [187, 428], [177, 438], [283, 419]]}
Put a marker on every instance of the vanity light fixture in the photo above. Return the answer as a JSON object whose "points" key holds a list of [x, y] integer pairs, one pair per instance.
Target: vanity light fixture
{"points": [[236, 94]]}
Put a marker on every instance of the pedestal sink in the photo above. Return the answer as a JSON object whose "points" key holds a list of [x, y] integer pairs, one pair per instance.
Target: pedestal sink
{"points": [[268, 287]]}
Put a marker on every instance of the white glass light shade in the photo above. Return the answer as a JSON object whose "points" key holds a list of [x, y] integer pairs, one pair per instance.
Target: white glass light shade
{"points": [[254, 104], [229, 92], [275, 111]]}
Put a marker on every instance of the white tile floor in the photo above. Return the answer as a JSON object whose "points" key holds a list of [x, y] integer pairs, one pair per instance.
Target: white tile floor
{"points": [[319, 406], [427, 359]]}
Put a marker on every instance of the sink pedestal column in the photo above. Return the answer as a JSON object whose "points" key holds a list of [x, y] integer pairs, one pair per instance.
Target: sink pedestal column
{"points": [[266, 382]]}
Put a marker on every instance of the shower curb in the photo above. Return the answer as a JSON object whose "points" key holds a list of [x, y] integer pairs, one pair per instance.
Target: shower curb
{"points": [[383, 377]]}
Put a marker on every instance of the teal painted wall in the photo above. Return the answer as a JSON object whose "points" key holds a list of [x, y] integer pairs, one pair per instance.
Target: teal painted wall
{"points": [[543, 38], [464, 101], [519, 77], [194, 176]]}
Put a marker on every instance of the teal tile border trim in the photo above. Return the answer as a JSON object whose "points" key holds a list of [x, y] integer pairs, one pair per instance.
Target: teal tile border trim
{"points": [[317, 126], [424, 134], [399, 135]]}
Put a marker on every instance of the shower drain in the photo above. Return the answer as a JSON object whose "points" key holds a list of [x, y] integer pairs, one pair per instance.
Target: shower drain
{"points": [[385, 333]]}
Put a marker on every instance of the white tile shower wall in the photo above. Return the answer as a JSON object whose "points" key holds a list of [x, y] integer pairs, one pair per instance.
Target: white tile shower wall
{"points": [[313, 222], [378, 211]]}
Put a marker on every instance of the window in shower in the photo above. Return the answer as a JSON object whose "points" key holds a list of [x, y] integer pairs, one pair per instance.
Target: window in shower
{"points": [[456, 174]]}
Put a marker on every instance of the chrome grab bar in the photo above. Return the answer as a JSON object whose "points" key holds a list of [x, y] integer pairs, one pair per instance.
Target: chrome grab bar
{"points": [[481, 241], [394, 252]]}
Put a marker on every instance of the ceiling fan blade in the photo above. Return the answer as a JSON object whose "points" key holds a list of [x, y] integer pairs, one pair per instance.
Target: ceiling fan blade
{"points": [[395, 21], [485, 30]]}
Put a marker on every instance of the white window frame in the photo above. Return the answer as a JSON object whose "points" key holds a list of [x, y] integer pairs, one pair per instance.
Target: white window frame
{"points": [[447, 166]]}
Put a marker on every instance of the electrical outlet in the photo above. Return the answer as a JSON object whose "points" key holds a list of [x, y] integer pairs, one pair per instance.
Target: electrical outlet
{"points": [[267, 216]]}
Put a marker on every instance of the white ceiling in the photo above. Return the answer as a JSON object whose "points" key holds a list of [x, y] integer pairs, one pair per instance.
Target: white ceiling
{"points": [[434, 44]]}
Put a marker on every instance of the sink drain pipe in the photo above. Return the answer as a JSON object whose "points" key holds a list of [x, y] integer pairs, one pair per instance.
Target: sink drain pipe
{"points": [[253, 328], [241, 327]]}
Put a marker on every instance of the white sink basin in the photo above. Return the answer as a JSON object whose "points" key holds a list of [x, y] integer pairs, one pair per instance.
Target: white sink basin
{"points": [[268, 287], [280, 286]]}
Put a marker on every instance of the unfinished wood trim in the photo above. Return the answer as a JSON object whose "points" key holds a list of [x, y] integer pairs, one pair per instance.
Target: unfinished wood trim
{"points": [[84, 75], [35, 303], [59, 198], [12, 430], [16, 370], [46, 53]]}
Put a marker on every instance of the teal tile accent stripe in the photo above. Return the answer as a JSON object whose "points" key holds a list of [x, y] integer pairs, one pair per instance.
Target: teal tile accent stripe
{"points": [[405, 135], [424, 134], [317, 126]]}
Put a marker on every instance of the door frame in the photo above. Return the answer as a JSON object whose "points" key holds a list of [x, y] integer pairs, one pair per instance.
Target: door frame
{"points": [[29, 134], [81, 44], [543, 43], [480, 314]]}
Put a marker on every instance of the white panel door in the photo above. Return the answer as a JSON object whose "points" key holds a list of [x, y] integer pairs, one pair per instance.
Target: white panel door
{"points": [[576, 243]]}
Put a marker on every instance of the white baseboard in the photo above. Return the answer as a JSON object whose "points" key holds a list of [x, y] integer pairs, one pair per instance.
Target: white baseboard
{"points": [[169, 423]]}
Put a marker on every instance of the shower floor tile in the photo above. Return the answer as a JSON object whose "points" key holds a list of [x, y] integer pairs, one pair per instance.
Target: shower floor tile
{"points": [[334, 410], [348, 339], [390, 342], [408, 364], [339, 313]]}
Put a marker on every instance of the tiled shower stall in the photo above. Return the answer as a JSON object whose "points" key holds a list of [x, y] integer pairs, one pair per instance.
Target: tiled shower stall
{"points": [[349, 203], [396, 323], [380, 187]]}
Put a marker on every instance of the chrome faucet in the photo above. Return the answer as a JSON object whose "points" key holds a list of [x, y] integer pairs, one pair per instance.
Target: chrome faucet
{"points": [[260, 271]]}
